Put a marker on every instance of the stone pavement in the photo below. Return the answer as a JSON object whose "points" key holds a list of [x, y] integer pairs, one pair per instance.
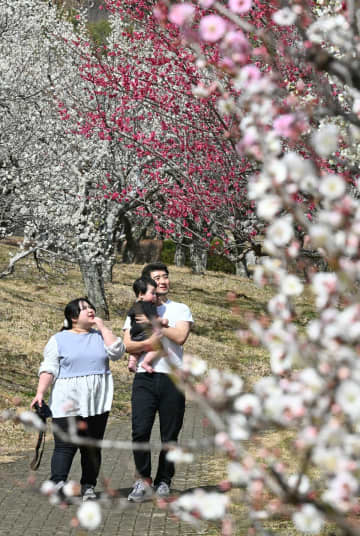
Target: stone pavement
{"points": [[24, 511]]}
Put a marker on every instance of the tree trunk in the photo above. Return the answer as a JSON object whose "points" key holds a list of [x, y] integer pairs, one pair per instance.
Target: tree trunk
{"points": [[240, 268], [198, 259], [107, 269], [132, 245], [179, 258], [94, 285]]}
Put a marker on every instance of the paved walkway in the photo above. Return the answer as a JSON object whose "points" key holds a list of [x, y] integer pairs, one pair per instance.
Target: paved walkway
{"points": [[25, 512]]}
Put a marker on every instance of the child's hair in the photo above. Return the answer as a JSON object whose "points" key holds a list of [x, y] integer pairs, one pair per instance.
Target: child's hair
{"points": [[141, 284], [153, 267], [72, 310]]}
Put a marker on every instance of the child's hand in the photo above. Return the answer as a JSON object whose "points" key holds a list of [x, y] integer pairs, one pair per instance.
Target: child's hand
{"points": [[142, 319], [164, 322]]}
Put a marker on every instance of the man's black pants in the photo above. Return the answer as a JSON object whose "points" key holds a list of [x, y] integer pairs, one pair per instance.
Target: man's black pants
{"points": [[64, 451], [153, 393]]}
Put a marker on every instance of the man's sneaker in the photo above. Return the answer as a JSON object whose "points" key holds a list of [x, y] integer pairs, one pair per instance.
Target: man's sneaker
{"points": [[163, 490], [88, 493], [140, 492]]}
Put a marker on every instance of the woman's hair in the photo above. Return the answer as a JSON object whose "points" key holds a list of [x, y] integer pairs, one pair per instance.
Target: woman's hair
{"points": [[140, 285], [72, 310]]}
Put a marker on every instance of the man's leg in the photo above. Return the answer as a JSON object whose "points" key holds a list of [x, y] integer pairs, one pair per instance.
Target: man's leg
{"points": [[144, 406], [171, 415]]}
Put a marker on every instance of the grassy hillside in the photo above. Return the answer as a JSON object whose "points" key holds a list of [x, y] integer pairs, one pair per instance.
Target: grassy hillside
{"points": [[32, 308]]}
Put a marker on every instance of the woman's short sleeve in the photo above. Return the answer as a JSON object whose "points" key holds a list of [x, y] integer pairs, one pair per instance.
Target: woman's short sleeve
{"points": [[51, 359]]}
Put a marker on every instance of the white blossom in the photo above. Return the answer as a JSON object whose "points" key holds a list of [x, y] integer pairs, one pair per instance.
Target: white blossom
{"points": [[281, 231], [268, 207], [284, 17], [325, 140], [292, 286], [89, 515], [178, 455], [332, 186], [308, 519]]}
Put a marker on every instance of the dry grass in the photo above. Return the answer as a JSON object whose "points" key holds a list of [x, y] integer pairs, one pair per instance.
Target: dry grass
{"points": [[32, 311]]}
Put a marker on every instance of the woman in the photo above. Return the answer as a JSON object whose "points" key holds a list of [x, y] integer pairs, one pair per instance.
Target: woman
{"points": [[76, 364]]}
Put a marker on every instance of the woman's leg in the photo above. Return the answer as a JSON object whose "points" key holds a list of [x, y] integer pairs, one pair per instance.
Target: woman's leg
{"points": [[91, 456], [63, 454]]}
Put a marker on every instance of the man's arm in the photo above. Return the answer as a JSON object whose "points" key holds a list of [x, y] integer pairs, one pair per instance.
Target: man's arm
{"points": [[138, 347], [179, 333]]}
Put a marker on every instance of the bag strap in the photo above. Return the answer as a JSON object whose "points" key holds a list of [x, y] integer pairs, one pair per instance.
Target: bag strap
{"points": [[39, 450]]}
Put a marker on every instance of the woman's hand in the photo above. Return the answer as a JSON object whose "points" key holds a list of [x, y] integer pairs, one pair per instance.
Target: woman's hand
{"points": [[99, 323], [39, 399]]}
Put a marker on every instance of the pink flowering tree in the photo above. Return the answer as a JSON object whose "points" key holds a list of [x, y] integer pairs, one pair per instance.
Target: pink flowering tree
{"points": [[152, 104]]}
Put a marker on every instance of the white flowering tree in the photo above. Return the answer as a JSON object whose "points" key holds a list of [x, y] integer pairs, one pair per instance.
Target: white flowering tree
{"points": [[53, 178]]}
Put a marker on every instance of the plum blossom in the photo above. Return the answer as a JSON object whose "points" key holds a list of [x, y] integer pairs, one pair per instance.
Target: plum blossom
{"points": [[321, 236], [47, 487], [341, 490], [71, 488], [291, 285], [268, 207], [181, 13], [212, 28], [308, 519], [226, 106], [258, 186], [210, 506], [278, 306], [240, 6], [347, 396], [178, 455], [248, 404], [284, 125], [313, 383], [325, 140], [281, 231], [194, 365], [89, 515], [284, 17], [238, 427], [237, 474], [332, 186]]}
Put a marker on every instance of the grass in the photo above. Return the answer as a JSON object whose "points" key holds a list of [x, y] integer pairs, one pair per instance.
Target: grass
{"points": [[32, 310]]}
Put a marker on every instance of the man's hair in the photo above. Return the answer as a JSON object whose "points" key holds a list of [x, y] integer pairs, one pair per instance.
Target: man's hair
{"points": [[140, 285], [154, 266]]}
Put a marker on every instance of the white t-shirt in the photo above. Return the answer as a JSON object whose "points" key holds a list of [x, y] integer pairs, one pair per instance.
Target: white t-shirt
{"points": [[174, 312]]}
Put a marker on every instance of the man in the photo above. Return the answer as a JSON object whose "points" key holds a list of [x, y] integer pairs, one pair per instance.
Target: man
{"points": [[155, 392]]}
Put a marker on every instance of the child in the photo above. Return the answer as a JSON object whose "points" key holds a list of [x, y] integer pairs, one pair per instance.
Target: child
{"points": [[145, 292]]}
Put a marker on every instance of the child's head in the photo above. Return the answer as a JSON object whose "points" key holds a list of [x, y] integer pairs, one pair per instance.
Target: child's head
{"points": [[145, 289]]}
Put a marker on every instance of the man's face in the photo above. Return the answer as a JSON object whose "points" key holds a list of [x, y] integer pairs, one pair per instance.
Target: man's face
{"points": [[162, 279]]}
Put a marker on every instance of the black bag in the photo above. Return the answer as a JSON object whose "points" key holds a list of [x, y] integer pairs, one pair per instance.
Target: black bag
{"points": [[44, 412]]}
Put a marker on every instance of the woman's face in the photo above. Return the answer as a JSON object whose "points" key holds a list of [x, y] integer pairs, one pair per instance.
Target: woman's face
{"points": [[86, 315]]}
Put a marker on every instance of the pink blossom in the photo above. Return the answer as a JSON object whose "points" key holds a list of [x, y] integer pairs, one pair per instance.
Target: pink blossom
{"points": [[240, 6], [180, 13], [284, 125], [212, 28]]}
